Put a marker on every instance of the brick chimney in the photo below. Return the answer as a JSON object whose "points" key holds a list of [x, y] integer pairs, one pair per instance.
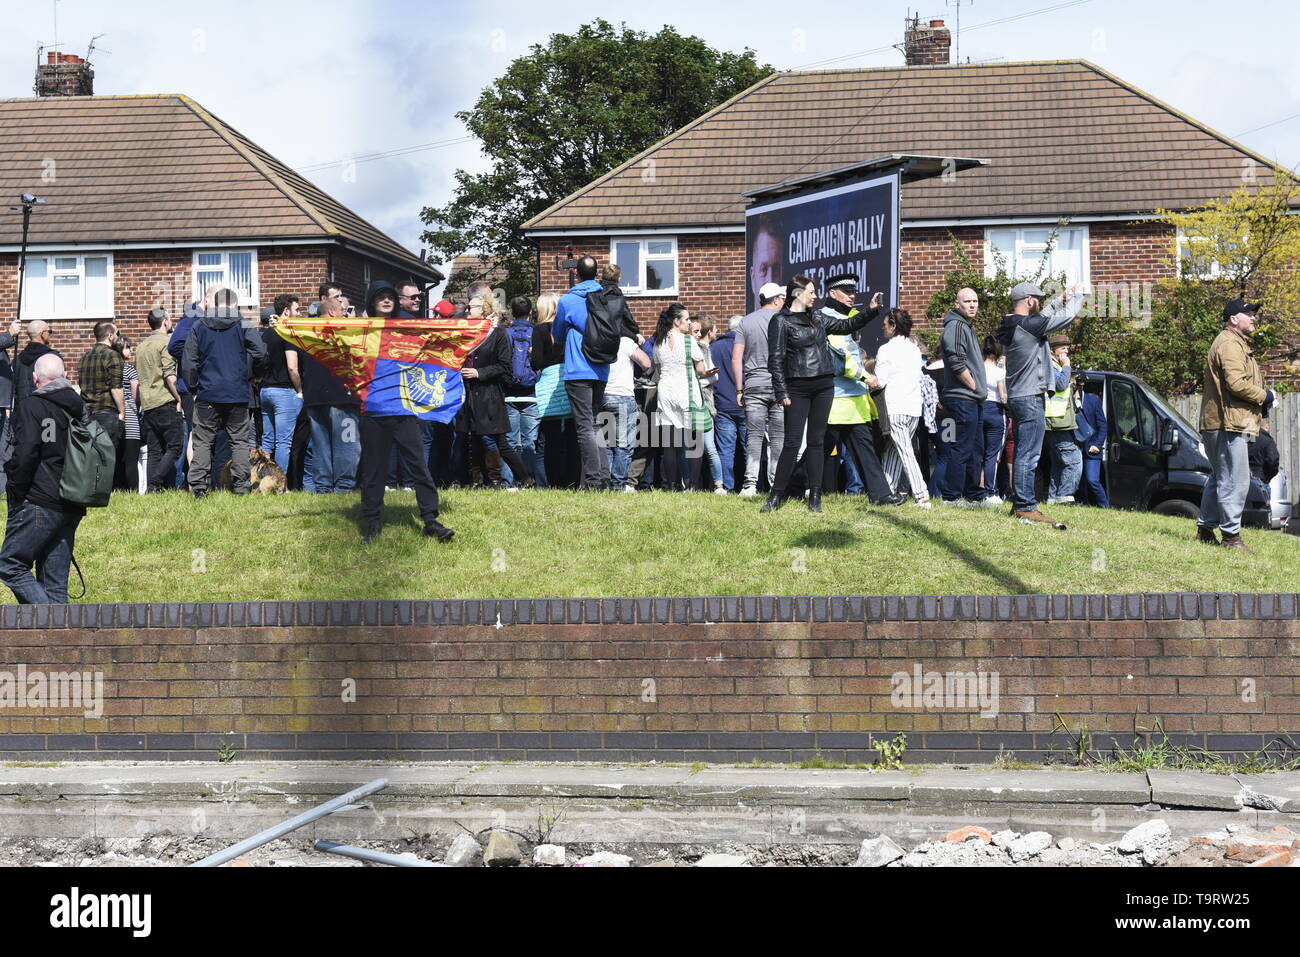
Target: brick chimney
{"points": [[64, 74], [926, 45]]}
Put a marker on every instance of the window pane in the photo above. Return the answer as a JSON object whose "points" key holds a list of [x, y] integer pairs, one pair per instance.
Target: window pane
{"points": [[658, 248], [660, 274], [241, 274], [209, 259], [67, 295], [210, 280], [98, 300], [628, 258], [36, 288], [1038, 236], [65, 262], [1070, 239], [1147, 416], [1003, 240], [1125, 411]]}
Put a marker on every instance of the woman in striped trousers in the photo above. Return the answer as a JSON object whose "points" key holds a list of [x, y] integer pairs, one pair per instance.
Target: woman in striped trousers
{"points": [[898, 369]]}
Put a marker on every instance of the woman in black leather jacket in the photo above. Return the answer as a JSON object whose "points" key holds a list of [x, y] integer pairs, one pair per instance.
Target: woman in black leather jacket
{"points": [[803, 380]]}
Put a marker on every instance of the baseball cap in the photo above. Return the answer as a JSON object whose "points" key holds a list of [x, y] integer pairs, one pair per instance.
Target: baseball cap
{"points": [[1235, 306], [771, 290], [444, 309], [1055, 342], [1023, 290]]}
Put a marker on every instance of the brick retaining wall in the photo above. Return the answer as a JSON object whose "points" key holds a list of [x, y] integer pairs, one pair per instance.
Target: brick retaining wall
{"points": [[709, 679]]}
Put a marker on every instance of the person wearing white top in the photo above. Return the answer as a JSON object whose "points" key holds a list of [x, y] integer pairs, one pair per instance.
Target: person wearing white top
{"points": [[898, 369], [678, 388], [993, 416]]}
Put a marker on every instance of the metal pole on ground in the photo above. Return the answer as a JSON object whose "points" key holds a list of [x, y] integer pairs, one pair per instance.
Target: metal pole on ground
{"points": [[374, 857], [280, 830]]}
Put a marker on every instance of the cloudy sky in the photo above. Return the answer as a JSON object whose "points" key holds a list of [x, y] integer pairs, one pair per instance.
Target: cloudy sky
{"points": [[318, 83]]}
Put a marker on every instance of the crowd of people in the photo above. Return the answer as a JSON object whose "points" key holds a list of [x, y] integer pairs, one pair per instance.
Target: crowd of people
{"points": [[783, 400]]}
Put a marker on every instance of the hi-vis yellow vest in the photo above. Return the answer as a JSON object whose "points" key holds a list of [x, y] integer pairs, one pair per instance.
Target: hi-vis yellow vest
{"points": [[1058, 407]]}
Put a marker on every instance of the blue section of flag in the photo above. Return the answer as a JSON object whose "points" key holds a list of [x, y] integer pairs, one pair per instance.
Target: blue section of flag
{"points": [[423, 389]]}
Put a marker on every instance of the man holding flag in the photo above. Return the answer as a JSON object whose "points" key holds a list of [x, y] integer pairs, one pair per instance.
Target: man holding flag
{"points": [[402, 370]]}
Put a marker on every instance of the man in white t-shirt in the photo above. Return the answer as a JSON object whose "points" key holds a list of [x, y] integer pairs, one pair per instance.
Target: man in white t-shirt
{"points": [[617, 420], [764, 416]]}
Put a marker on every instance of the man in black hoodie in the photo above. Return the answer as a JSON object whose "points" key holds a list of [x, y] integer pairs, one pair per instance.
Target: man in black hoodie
{"points": [[379, 433], [38, 332], [42, 526]]}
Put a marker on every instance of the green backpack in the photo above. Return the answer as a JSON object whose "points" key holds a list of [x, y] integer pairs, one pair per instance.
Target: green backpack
{"points": [[88, 463]]}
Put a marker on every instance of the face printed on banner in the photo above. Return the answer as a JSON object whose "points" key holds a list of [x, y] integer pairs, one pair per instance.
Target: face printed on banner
{"points": [[766, 262]]}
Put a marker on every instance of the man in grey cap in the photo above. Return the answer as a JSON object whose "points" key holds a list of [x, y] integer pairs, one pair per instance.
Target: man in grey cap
{"points": [[1234, 396], [1024, 334], [763, 412]]}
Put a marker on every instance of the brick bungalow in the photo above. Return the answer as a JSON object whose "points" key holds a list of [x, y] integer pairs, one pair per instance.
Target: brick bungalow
{"points": [[1065, 139], [150, 200]]}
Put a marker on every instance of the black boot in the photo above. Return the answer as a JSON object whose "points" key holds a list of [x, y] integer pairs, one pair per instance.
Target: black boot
{"points": [[436, 529], [492, 468], [371, 534], [773, 502], [815, 500]]}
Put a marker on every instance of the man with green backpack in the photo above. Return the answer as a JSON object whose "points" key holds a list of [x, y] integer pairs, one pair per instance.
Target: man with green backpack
{"points": [[62, 463]]}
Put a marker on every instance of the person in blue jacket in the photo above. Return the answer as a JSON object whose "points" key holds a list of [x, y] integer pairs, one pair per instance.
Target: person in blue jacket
{"points": [[584, 380], [1090, 432]]}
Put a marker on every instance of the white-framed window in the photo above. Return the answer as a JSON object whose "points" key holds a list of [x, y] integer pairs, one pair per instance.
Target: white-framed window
{"points": [[229, 269], [1021, 248], [68, 286], [1200, 267], [649, 264]]}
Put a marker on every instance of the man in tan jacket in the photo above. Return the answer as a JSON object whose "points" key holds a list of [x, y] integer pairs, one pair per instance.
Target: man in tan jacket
{"points": [[1234, 396]]}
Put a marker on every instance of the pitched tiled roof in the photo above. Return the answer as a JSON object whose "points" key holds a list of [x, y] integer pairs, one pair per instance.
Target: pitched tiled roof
{"points": [[115, 169], [1064, 137]]}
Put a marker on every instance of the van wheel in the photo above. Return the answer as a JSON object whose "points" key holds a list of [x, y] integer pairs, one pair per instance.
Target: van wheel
{"points": [[1178, 506]]}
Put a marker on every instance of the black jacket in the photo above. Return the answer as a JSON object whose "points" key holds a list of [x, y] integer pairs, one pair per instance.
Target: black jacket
{"points": [[7, 342], [796, 343], [546, 351], [484, 409], [1263, 456], [26, 363], [36, 467]]}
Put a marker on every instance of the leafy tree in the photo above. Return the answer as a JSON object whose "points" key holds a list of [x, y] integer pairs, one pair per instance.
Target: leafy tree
{"points": [[563, 115]]}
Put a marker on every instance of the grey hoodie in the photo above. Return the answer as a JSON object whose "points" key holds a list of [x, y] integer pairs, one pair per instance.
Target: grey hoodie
{"points": [[1029, 361], [961, 352]]}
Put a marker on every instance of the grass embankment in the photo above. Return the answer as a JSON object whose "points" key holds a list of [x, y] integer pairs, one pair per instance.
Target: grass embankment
{"points": [[532, 544]]}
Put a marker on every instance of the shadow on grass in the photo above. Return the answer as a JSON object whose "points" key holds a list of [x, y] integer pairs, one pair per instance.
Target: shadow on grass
{"points": [[827, 538], [1009, 581]]}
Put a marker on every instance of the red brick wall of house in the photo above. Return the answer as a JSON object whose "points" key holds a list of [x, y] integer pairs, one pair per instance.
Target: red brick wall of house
{"points": [[712, 266], [143, 279]]}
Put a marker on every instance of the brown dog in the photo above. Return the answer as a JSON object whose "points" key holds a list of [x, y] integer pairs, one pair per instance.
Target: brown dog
{"points": [[264, 475]]}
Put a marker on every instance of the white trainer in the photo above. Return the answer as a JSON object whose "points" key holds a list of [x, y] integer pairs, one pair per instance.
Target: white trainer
{"points": [[749, 491]]}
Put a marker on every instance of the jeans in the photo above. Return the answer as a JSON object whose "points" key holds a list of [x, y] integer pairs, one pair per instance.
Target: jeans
{"points": [[1224, 497], [995, 433], [619, 431], [1067, 463], [1029, 414], [523, 437], [962, 453], [279, 413], [162, 432], [111, 424], [586, 396], [1092, 480], [208, 418], [764, 417], [729, 433], [335, 447], [40, 536], [715, 460]]}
